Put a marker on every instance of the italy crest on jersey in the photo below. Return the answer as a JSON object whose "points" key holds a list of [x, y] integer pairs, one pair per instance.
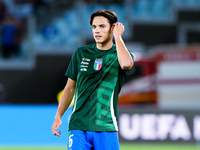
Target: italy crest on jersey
{"points": [[97, 64]]}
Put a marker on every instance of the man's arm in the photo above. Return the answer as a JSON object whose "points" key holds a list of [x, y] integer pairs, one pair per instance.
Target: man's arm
{"points": [[65, 101], [124, 57]]}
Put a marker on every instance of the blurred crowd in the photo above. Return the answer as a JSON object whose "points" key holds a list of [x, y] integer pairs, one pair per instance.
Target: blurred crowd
{"points": [[13, 17], [13, 20]]}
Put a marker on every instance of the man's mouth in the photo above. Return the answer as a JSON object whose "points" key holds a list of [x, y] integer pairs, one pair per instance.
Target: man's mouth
{"points": [[97, 36]]}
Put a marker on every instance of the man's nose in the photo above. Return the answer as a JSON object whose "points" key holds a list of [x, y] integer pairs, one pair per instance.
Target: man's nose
{"points": [[97, 29]]}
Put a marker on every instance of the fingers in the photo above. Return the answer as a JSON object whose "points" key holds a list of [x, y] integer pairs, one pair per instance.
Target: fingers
{"points": [[55, 127], [54, 130], [118, 24], [57, 133], [118, 29]]}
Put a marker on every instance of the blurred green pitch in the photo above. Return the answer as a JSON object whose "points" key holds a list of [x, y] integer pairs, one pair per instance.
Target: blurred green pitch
{"points": [[122, 147]]}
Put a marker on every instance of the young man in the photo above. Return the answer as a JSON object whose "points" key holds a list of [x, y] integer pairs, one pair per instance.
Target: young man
{"points": [[95, 75]]}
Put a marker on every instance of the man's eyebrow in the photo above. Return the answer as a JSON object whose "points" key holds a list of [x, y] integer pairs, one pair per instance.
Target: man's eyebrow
{"points": [[98, 24]]}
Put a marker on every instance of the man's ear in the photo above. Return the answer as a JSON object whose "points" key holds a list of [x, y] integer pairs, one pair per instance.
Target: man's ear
{"points": [[112, 28]]}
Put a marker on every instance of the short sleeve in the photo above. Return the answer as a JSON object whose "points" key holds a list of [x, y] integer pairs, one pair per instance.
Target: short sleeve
{"points": [[132, 55], [72, 69]]}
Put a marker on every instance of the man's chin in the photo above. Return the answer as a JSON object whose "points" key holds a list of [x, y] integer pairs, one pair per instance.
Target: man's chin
{"points": [[98, 42]]}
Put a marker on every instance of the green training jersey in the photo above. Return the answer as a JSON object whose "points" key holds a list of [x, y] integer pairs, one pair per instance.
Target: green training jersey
{"points": [[99, 79]]}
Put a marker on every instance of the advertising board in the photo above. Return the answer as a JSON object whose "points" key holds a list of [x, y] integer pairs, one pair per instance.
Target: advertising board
{"points": [[151, 125]]}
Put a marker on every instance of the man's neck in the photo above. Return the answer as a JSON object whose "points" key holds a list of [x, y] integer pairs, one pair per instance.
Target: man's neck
{"points": [[104, 46]]}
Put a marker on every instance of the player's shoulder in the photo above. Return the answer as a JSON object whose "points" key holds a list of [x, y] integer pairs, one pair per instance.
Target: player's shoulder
{"points": [[86, 47]]}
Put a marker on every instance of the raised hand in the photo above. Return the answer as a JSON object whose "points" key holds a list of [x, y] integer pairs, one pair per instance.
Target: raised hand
{"points": [[118, 29]]}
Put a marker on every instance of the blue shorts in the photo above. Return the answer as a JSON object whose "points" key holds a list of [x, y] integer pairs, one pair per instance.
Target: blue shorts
{"points": [[91, 140]]}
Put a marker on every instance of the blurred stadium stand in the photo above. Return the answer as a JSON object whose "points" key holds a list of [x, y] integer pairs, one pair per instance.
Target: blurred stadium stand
{"points": [[63, 25], [54, 28], [144, 19]]}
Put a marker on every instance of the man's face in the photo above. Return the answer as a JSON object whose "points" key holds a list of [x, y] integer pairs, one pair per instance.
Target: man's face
{"points": [[101, 30]]}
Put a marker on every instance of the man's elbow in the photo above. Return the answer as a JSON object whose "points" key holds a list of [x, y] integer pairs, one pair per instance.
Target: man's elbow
{"points": [[127, 66]]}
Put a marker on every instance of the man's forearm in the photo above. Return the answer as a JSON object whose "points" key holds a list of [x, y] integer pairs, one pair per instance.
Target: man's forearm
{"points": [[66, 98], [65, 101], [124, 57]]}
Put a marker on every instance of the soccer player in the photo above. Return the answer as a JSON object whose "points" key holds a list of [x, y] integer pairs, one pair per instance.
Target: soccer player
{"points": [[95, 75]]}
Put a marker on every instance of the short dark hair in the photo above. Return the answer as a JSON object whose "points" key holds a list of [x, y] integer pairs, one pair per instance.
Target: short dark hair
{"points": [[110, 15]]}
